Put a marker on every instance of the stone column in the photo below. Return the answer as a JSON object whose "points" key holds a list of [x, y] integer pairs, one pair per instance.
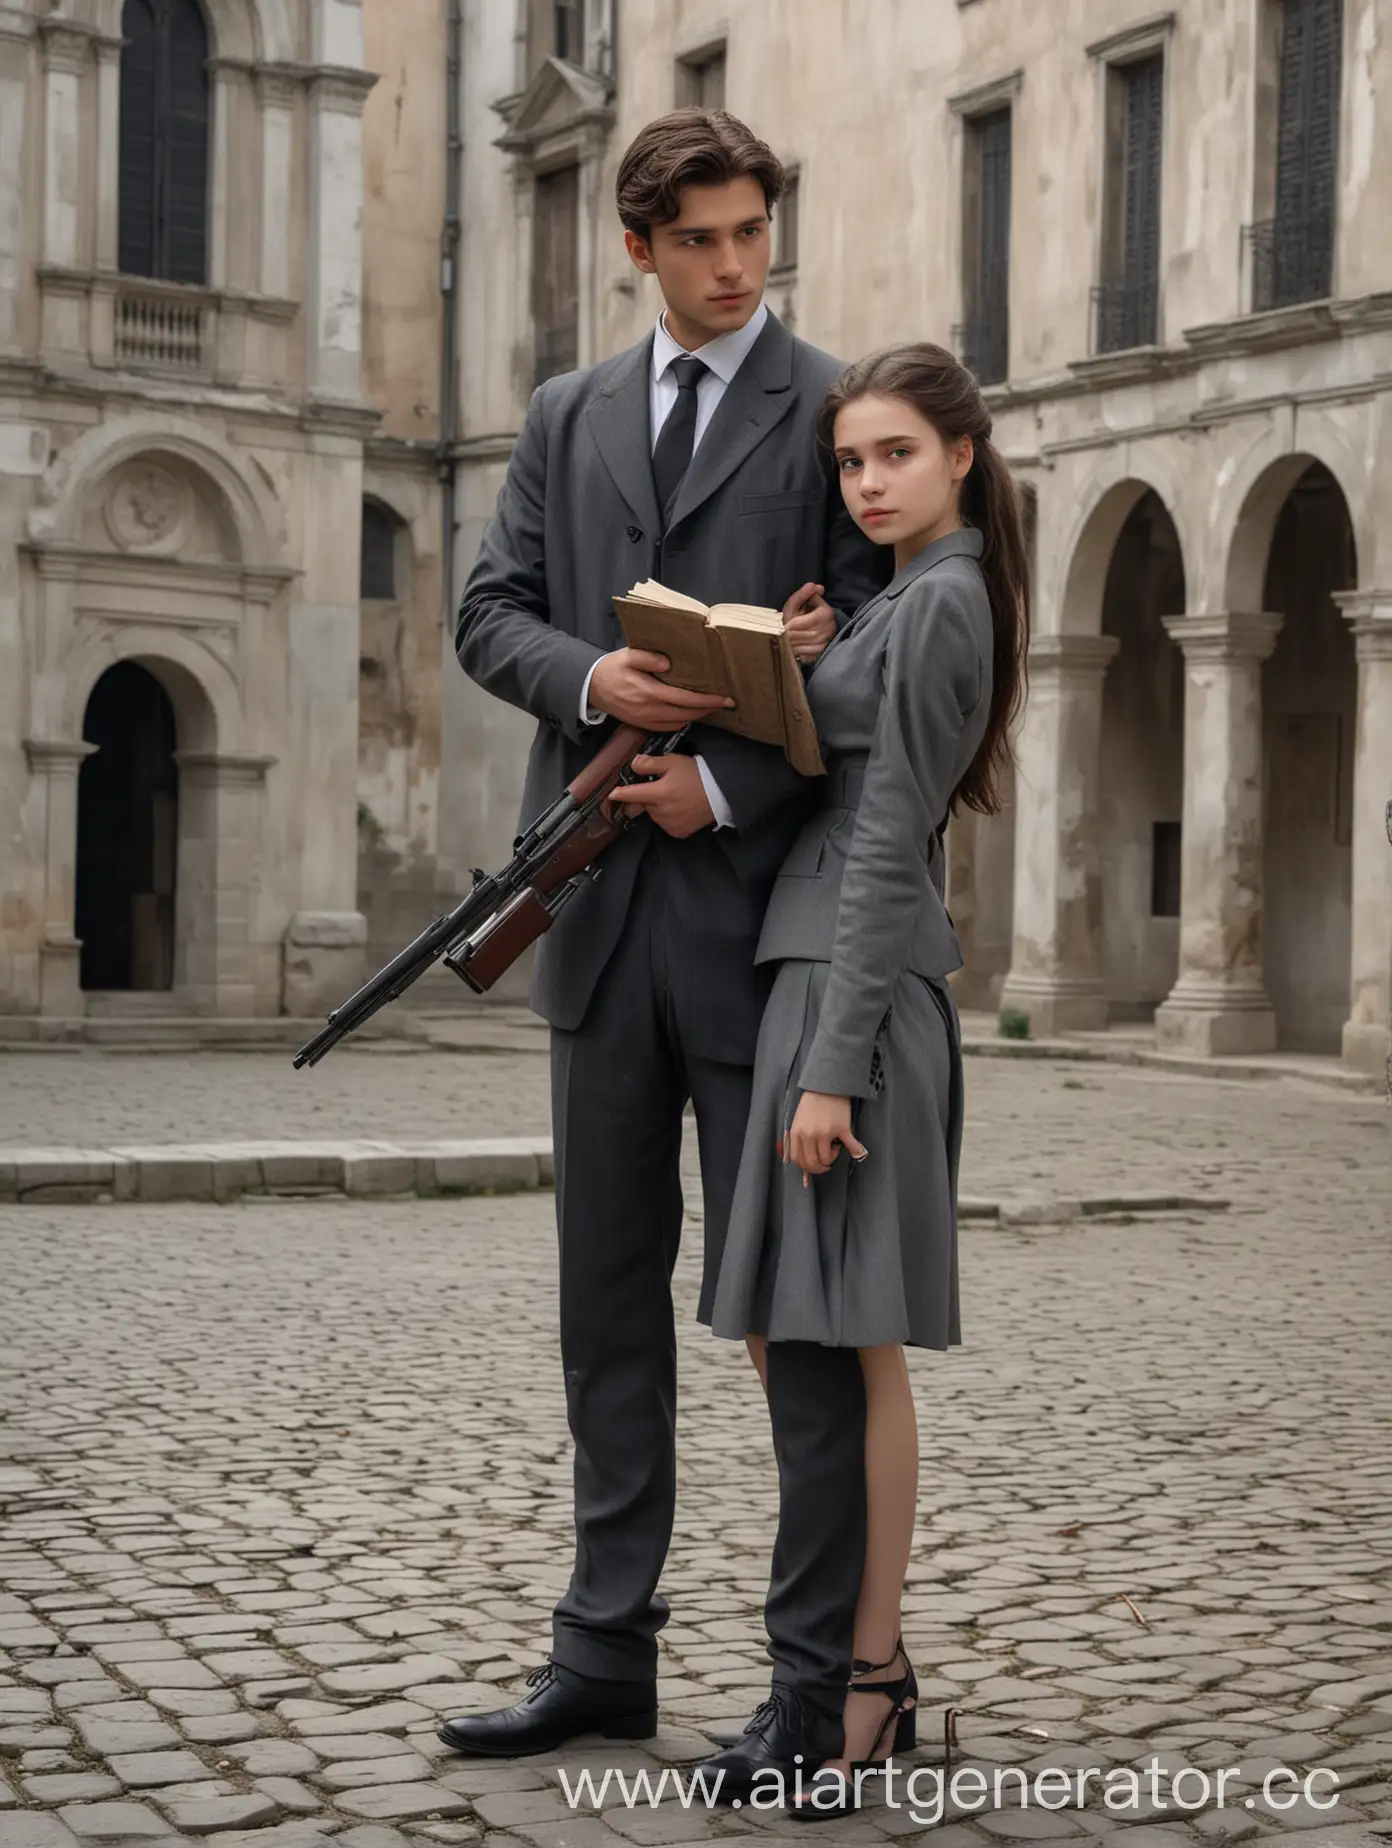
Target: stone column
{"points": [[15, 34], [1219, 1003], [57, 763], [333, 281], [1056, 959], [108, 204], [65, 57], [1368, 1030], [277, 92]]}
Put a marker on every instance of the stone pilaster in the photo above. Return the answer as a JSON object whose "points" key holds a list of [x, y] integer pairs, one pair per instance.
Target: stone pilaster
{"points": [[108, 203], [220, 804], [1219, 1004], [277, 92], [333, 284], [1056, 959], [65, 58], [15, 35], [1368, 1030], [57, 763]]}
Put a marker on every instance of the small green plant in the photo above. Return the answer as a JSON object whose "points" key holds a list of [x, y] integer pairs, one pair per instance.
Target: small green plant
{"points": [[1013, 1023]]}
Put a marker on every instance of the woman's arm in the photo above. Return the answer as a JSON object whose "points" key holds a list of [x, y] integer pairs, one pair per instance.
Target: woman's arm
{"points": [[933, 678]]}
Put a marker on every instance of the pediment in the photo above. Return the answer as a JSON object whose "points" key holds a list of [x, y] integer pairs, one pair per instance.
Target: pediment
{"points": [[561, 96]]}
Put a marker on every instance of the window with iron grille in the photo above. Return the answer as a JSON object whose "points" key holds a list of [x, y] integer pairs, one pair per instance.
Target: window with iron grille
{"points": [[1128, 297], [1292, 253], [984, 338], [701, 79], [165, 114], [786, 217], [556, 272]]}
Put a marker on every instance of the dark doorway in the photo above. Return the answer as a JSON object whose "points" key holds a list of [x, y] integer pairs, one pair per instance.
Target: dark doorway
{"points": [[127, 833], [1309, 701]]}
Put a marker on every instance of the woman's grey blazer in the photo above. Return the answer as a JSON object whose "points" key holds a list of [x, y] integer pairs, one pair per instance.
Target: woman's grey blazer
{"points": [[901, 698]]}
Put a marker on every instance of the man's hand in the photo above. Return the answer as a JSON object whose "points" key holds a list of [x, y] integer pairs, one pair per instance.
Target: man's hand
{"points": [[624, 684], [821, 1123], [677, 801], [810, 622]]}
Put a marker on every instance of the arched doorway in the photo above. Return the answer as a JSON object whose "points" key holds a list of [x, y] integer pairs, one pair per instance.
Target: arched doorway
{"points": [[1142, 763], [127, 834], [1309, 694]]}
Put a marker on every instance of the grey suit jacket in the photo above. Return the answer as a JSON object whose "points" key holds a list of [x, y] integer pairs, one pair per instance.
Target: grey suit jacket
{"points": [[901, 700], [758, 515]]}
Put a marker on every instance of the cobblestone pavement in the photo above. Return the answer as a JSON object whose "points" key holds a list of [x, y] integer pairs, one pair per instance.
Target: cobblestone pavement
{"points": [[286, 1481]]}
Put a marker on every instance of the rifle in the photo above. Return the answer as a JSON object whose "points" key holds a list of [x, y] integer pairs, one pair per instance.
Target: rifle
{"points": [[506, 912]]}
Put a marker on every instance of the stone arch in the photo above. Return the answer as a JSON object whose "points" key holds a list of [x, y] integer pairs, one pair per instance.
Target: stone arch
{"points": [[75, 477], [252, 29], [1251, 499], [201, 688], [1086, 555]]}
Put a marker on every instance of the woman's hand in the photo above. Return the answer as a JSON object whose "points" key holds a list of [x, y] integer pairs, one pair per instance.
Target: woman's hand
{"points": [[810, 622], [820, 1124]]}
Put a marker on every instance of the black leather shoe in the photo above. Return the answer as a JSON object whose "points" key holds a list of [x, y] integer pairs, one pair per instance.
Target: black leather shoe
{"points": [[785, 1735], [561, 1706]]}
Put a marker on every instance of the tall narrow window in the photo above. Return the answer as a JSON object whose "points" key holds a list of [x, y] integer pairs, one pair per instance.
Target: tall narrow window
{"points": [[569, 29], [984, 339], [1293, 253], [164, 140], [786, 223], [701, 79], [556, 272], [380, 527], [1129, 294]]}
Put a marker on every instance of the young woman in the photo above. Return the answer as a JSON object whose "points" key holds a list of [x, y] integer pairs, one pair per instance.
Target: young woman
{"points": [[843, 1230]]}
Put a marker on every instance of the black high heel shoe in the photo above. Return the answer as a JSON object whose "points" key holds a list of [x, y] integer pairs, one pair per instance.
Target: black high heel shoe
{"points": [[903, 1715]]}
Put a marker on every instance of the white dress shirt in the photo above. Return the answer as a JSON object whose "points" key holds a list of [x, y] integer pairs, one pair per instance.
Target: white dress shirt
{"points": [[722, 358]]}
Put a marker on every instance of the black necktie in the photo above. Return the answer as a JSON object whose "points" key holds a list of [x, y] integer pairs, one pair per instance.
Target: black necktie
{"points": [[677, 438]]}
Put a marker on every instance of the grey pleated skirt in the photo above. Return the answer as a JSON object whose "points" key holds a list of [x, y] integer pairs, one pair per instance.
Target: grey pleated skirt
{"points": [[865, 1255]]}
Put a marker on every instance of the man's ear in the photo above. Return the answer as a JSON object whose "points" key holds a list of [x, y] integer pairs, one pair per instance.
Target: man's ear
{"points": [[640, 251]]}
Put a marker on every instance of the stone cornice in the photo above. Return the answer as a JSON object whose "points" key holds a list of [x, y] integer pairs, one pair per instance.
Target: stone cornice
{"points": [[985, 98], [1231, 636], [496, 446], [1260, 333], [339, 418], [1369, 616], [17, 25], [339, 88], [228, 769], [58, 560], [1132, 366], [1133, 41], [1071, 654]]}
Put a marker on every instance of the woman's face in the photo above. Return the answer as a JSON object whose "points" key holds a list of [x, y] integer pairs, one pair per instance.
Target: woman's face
{"points": [[899, 479]]}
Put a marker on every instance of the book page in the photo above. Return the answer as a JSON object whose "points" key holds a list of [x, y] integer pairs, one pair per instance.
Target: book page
{"points": [[650, 591], [746, 616]]}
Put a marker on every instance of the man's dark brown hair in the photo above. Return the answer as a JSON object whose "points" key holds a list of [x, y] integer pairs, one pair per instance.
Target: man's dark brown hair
{"points": [[690, 147]]}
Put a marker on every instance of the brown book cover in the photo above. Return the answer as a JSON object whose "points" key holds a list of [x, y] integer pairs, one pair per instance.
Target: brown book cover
{"points": [[732, 648]]}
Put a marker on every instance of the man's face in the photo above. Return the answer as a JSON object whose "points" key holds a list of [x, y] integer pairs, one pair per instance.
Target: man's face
{"points": [[711, 261]]}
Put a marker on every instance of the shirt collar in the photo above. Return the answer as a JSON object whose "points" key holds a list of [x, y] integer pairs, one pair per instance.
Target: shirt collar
{"points": [[724, 355]]}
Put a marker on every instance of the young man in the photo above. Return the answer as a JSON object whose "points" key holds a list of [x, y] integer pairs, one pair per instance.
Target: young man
{"points": [[690, 458]]}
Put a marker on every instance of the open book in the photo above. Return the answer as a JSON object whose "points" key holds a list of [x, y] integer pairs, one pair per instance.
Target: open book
{"points": [[733, 648]]}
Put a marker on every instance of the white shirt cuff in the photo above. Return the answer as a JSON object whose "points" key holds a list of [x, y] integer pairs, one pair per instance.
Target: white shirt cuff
{"points": [[720, 808], [588, 715]]}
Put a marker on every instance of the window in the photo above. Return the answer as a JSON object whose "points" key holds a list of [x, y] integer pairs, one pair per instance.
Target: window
{"points": [[1128, 297], [1292, 253], [1165, 858], [164, 141], [786, 223], [555, 29], [556, 272], [380, 528], [984, 338], [701, 79]]}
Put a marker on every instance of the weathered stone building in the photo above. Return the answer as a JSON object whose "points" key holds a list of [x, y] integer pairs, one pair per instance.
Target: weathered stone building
{"points": [[1160, 237], [250, 431], [199, 411]]}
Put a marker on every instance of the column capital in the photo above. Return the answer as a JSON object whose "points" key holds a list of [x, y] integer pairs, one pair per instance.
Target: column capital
{"points": [[278, 86], [58, 756], [1369, 614], [339, 88], [226, 769], [65, 44], [1226, 635], [1075, 654]]}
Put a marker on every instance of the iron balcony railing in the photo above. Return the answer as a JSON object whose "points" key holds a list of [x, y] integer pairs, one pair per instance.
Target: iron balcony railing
{"points": [[983, 346], [1124, 314], [1291, 259]]}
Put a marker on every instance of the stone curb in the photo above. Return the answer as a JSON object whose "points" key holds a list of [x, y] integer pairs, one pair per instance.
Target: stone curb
{"points": [[226, 1171], [230, 1171]]}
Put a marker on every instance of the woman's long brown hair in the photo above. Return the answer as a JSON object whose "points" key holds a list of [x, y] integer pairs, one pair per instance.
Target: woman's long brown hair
{"points": [[941, 390]]}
